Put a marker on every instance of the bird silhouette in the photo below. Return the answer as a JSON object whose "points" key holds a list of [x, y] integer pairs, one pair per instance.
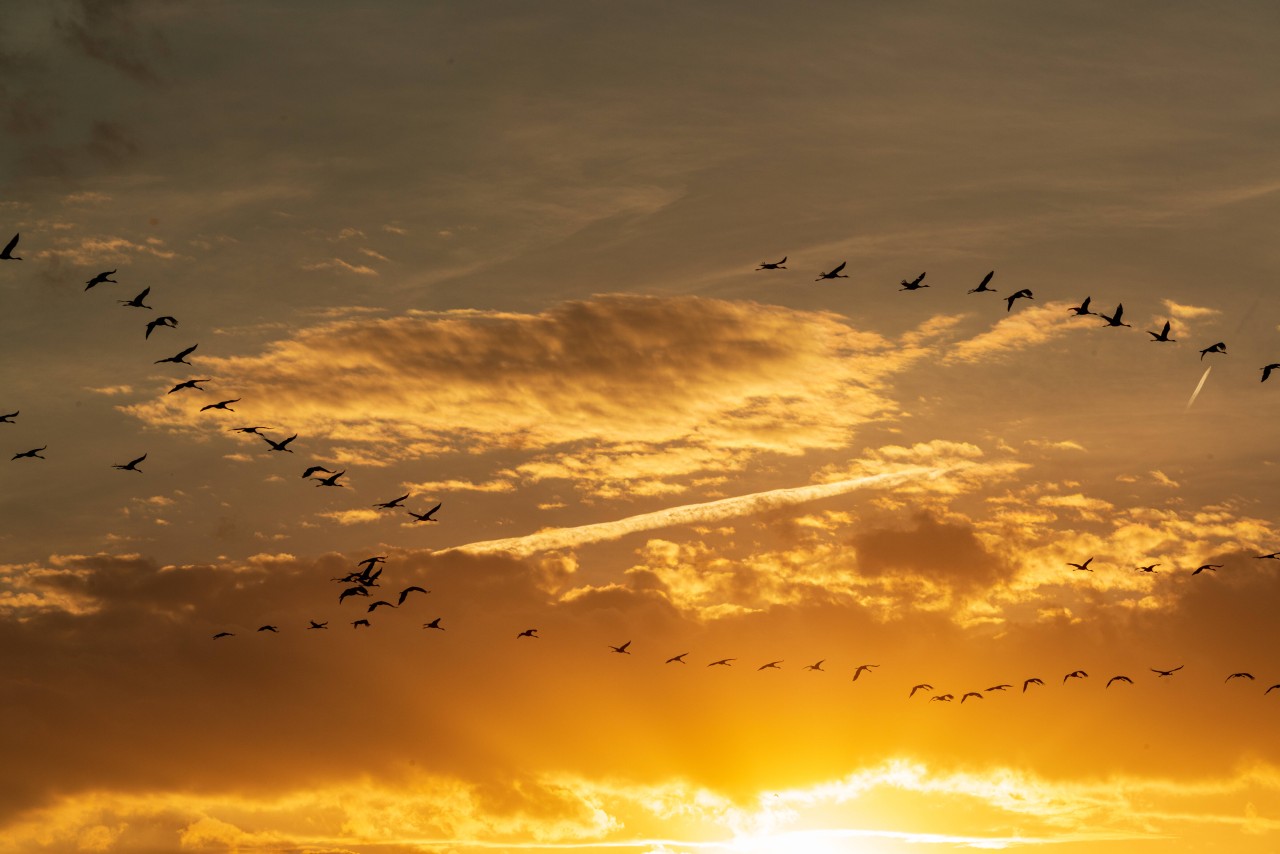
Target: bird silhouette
{"points": [[166, 321], [1267, 369], [434, 624], [677, 659], [1082, 566], [982, 286], [1001, 687], [1114, 320], [6, 254], [253, 430], [528, 633], [914, 284], [34, 453], [315, 625], [724, 662], [969, 694], [1269, 690], [132, 465], [775, 265], [1022, 294], [99, 279], [1211, 567], [352, 591], [272, 629], [942, 698], [313, 469], [1082, 308], [1272, 556], [1162, 335], [426, 517], [834, 274], [331, 480], [376, 605], [1031, 681], [772, 665], [1220, 347], [195, 384], [923, 686], [1074, 674], [355, 624], [224, 635], [222, 404], [621, 650], [1163, 673], [279, 446], [815, 666], [860, 668], [136, 302], [395, 502], [404, 594], [370, 562], [8, 419], [180, 358], [1240, 675], [1151, 568], [1119, 679]]}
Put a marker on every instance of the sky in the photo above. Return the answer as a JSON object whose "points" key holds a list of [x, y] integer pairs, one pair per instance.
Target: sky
{"points": [[505, 258]]}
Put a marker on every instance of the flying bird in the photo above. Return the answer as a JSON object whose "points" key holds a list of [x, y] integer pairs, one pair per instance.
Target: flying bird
{"points": [[132, 465], [224, 635], [1082, 308], [1151, 568], [426, 517], [969, 694], [1267, 369], [180, 358], [775, 265], [395, 502], [331, 480], [195, 384], [1114, 320], [136, 302], [315, 625], [434, 624], [1119, 679], [279, 446], [370, 562], [772, 665], [376, 605], [943, 698], [982, 286], [1212, 567], [861, 667], [33, 453], [242, 429], [355, 624], [1269, 690], [268, 629], [914, 284], [528, 633], [923, 686], [1272, 556], [1162, 335], [1031, 681], [724, 662], [1022, 294], [1082, 566], [222, 404], [404, 594], [677, 659], [6, 254], [999, 687], [834, 274], [167, 321], [621, 650], [1220, 347], [1074, 674], [99, 279], [1240, 675], [8, 419], [352, 591], [1163, 673], [313, 469], [816, 666]]}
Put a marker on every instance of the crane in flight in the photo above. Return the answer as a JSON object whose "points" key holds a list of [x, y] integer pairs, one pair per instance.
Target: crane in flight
{"points": [[774, 265], [834, 274], [6, 254], [132, 465]]}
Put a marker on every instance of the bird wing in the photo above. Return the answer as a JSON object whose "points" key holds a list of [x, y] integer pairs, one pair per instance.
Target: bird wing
{"points": [[838, 269], [138, 460], [10, 245]]}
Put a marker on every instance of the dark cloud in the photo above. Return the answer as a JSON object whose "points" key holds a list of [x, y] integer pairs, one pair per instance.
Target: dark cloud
{"points": [[114, 33], [941, 552]]}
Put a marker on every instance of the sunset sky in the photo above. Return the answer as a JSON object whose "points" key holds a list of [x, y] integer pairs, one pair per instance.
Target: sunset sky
{"points": [[502, 257]]}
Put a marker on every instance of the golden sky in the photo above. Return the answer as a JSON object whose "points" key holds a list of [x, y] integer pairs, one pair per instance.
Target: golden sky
{"points": [[503, 257]]}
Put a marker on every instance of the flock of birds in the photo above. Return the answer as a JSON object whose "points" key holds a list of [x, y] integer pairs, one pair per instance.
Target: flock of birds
{"points": [[361, 582]]}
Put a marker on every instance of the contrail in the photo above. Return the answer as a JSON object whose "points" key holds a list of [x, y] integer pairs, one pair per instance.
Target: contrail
{"points": [[687, 514], [1196, 393]]}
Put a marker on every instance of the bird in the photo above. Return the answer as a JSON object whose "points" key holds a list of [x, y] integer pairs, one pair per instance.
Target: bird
{"points": [[136, 302], [969, 694], [1031, 681], [331, 480], [1220, 347], [434, 624], [1082, 566], [1151, 568], [268, 629], [621, 650], [1267, 369], [132, 465], [1272, 556], [943, 698], [923, 686], [772, 665], [1212, 567], [195, 384], [404, 594], [861, 667], [33, 453], [1119, 679], [677, 659], [1114, 320], [315, 625], [1074, 674], [914, 284], [528, 633], [1162, 335], [222, 404], [395, 502], [8, 419], [6, 254], [243, 429], [180, 358], [167, 321], [100, 278], [834, 274], [982, 286], [280, 446], [999, 687], [426, 517], [313, 469], [815, 666], [724, 662], [1240, 675], [1163, 673], [1022, 294], [774, 265], [376, 605], [224, 635], [355, 624], [1269, 690], [1082, 308], [370, 562], [352, 591]]}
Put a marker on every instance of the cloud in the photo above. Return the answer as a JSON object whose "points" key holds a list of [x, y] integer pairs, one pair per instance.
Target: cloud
{"points": [[1023, 329], [104, 249], [340, 265], [1188, 312], [114, 33]]}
